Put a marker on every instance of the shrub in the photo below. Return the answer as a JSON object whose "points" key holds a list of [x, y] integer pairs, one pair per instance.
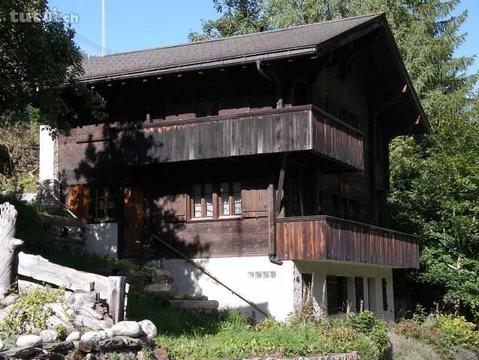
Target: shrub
{"points": [[457, 331], [29, 313], [366, 323]]}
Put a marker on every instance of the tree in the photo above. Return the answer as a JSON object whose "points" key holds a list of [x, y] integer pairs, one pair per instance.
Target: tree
{"points": [[434, 179], [39, 64]]}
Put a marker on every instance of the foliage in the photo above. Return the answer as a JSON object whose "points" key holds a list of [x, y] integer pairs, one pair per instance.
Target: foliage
{"points": [[366, 323], [40, 63], [236, 338], [28, 311], [443, 333]]}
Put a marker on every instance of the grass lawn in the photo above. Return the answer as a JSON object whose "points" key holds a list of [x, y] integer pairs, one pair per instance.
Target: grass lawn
{"points": [[228, 335]]}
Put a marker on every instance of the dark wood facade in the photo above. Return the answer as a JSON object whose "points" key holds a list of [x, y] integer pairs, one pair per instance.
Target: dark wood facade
{"points": [[304, 152]]}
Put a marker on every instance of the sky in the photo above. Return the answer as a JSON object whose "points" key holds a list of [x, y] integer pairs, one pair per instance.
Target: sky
{"points": [[142, 24]]}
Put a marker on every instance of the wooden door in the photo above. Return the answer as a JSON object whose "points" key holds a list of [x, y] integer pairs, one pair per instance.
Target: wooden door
{"points": [[133, 220]]}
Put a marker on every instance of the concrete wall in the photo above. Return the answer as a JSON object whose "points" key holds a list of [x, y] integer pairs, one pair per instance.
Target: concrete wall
{"points": [[47, 155], [102, 239], [275, 289], [370, 274], [255, 278]]}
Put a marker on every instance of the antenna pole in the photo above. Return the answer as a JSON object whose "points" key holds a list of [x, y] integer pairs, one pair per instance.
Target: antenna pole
{"points": [[103, 28]]}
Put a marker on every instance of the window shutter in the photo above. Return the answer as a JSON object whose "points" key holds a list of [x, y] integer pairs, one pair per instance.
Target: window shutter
{"points": [[78, 200], [254, 202], [172, 207]]}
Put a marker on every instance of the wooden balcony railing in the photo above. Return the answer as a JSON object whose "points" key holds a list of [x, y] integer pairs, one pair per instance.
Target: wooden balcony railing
{"points": [[329, 238], [293, 129]]}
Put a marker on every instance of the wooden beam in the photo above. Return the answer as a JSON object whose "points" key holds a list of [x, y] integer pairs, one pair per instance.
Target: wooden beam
{"points": [[271, 220], [279, 193]]}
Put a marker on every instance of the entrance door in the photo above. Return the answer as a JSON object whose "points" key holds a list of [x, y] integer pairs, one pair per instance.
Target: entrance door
{"points": [[132, 220]]}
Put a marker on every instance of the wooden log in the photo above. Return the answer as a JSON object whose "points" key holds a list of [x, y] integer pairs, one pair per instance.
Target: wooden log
{"points": [[111, 289], [8, 243]]}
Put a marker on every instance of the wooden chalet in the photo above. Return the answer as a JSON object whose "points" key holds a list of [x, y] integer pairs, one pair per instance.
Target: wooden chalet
{"points": [[262, 157]]}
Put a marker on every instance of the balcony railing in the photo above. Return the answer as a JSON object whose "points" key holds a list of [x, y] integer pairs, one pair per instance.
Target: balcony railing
{"points": [[329, 238], [294, 129]]}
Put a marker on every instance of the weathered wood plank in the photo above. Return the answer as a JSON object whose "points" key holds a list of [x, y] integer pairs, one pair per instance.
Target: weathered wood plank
{"points": [[329, 238]]}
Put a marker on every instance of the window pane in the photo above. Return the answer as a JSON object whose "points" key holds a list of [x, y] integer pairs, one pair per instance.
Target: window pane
{"points": [[209, 200], [224, 199], [237, 197], [197, 205]]}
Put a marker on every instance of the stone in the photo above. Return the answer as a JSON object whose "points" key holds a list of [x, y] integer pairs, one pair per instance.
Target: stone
{"points": [[91, 336], [22, 352], [73, 336], [88, 346], [88, 322], [81, 299], [127, 328], [9, 299], [1, 345], [61, 347], [29, 341], [53, 322], [106, 334], [148, 328], [49, 336], [112, 344]]}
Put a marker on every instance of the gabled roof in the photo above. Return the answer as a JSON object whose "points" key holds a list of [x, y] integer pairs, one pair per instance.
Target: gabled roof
{"points": [[312, 39], [287, 42]]}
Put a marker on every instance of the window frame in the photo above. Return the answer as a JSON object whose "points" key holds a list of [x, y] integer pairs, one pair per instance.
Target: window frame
{"points": [[109, 196], [234, 191]]}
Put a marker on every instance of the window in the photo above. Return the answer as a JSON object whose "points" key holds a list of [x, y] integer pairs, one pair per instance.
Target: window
{"points": [[103, 204], [203, 200], [359, 288], [230, 198], [216, 200], [337, 290], [385, 294]]}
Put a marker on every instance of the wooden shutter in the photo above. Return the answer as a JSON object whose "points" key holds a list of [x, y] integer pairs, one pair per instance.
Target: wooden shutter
{"points": [[172, 207], [254, 202], [133, 220], [78, 200]]}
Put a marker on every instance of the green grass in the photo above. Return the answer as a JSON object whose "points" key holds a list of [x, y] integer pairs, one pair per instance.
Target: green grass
{"points": [[228, 335]]}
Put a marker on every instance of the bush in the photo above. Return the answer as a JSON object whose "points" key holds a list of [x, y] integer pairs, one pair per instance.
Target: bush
{"points": [[366, 323], [229, 335], [28, 312], [444, 333], [458, 332]]}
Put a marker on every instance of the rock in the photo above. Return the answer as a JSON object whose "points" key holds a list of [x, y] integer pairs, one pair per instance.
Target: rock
{"points": [[106, 334], [113, 344], [74, 336], [88, 346], [9, 300], [53, 322], [148, 328], [127, 328], [22, 352], [92, 323], [81, 299], [91, 336], [1, 345], [61, 347], [49, 336], [29, 341]]}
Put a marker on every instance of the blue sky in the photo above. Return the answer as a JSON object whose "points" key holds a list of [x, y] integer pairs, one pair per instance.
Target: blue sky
{"points": [[134, 25]]}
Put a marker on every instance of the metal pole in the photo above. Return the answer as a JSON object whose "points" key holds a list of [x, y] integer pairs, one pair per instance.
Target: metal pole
{"points": [[103, 28]]}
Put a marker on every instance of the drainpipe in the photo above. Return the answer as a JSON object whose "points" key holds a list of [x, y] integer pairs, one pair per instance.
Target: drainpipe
{"points": [[273, 79]]}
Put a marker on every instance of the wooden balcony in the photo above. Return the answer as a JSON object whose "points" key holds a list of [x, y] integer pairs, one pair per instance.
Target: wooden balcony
{"points": [[294, 129], [330, 238]]}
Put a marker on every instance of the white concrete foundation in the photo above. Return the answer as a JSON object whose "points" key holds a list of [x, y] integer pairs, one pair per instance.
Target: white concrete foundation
{"points": [[47, 170], [277, 289], [255, 278], [102, 239]]}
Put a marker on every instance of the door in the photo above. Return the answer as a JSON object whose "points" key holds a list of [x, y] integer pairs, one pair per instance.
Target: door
{"points": [[133, 220]]}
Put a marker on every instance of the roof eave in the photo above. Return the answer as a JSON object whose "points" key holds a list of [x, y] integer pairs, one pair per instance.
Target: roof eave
{"points": [[404, 73], [243, 60]]}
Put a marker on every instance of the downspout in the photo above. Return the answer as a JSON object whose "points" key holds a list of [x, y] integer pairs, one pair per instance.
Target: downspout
{"points": [[273, 79], [271, 198]]}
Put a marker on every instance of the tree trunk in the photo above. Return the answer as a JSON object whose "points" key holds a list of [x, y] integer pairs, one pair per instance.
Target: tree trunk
{"points": [[8, 217]]}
